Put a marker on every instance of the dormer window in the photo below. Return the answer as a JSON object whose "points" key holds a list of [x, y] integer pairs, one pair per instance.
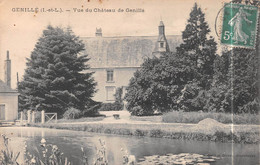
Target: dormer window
{"points": [[161, 44]]}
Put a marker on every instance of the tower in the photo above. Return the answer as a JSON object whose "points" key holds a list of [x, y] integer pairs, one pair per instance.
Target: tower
{"points": [[98, 32], [7, 70], [161, 46]]}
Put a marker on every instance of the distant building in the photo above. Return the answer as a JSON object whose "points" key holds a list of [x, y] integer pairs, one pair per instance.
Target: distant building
{"points": [[8, 96], [115, 59]]}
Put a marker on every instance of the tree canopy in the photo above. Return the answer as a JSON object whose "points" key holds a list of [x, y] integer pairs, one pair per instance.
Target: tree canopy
{"points": [[57, 75], [198, 46], [196, 78], [158, 84]]}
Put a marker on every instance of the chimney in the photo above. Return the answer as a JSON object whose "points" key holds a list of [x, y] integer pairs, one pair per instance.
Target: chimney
{"points": [[161, 28], [98, 32], [7, 70]]}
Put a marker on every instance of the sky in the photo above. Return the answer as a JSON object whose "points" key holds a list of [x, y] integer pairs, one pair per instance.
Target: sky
{"points": [[19, 31]]}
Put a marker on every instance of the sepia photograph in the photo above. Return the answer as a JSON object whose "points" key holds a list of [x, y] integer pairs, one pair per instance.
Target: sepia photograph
{"points": [[140, 82]]}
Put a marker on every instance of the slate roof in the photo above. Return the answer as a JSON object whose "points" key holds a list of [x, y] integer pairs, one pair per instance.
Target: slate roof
{"points": [[5, 88], [125, 51]]}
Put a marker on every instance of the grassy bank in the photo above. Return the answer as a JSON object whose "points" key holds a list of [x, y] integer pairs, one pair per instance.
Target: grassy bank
{"points": [[201, 132], [84, 119], [157, 119], [195, 117]]}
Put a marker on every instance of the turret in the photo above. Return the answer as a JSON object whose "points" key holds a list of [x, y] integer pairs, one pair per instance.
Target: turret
{"points": [[161, 46]]}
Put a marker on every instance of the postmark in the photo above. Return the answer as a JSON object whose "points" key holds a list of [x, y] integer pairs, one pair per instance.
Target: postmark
{"points": [[239, 28]]}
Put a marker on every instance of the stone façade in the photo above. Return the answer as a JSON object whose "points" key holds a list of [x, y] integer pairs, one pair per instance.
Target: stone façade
{"points": [[122, 56]]}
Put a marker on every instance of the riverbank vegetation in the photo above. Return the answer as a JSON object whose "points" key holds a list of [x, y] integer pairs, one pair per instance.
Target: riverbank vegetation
{"points": [[206, 130], [196, 117], [50, 154]]}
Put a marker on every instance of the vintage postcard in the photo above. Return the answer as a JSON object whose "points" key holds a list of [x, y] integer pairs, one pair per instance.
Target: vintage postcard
{"points": [[141, 82]]}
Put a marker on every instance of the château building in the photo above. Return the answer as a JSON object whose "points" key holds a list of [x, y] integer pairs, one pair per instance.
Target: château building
{"points": [[115, 59], [8, 96]]}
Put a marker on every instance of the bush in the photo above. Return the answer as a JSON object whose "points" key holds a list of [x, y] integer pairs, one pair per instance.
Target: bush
{"points": [[117, 105], [92, 110], [72, 113], [139, 111], [38, 116], [118, 95], [111, 106]]}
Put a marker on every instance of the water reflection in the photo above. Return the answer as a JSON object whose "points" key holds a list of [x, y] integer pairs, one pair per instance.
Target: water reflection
{"points": [[70, 143]]}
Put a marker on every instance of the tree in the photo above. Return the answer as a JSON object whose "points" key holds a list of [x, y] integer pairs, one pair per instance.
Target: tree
{"points": [[138, 96], [245, 81], [235, 77], [158, 84], [56, 77], [218, 97], [199, 47]]}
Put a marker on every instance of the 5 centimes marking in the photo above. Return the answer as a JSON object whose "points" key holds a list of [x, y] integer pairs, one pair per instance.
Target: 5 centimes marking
{"points": [[239, 27]]}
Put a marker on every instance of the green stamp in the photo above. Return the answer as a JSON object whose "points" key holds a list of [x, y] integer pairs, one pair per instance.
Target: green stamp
{"points": [[239, 25]]}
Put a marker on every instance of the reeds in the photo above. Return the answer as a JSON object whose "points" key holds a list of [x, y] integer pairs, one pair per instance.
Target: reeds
{"points": [[8, 157], [50, 155]]}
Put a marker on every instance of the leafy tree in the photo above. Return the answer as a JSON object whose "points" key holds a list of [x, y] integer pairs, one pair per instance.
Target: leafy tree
{"points": [[218, 97], [56, 76], [245, 81], [139, 90], [238, 81], [158, 84]]}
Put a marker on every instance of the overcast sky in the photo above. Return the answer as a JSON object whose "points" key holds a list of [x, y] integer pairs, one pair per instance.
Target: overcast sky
{"points": [[21, 30]]}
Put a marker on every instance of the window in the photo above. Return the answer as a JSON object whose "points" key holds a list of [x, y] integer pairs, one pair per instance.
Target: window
{"points": [[161, 44], [110, 75], [110, 91], [2, 112]]}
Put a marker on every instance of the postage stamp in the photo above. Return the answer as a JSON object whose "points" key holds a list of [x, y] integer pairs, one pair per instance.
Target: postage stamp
{"points": [[239, 27]]}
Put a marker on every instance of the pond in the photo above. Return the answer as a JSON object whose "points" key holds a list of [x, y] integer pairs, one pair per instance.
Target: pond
{"points": [[70, 143]]}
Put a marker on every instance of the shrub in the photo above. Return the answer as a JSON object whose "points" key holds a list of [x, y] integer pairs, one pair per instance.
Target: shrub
{"points": [[38, 116], [139, 111], [91, 110], [156, 133], [72, 113], [139, 132], [115, 106], [118, 95]]}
